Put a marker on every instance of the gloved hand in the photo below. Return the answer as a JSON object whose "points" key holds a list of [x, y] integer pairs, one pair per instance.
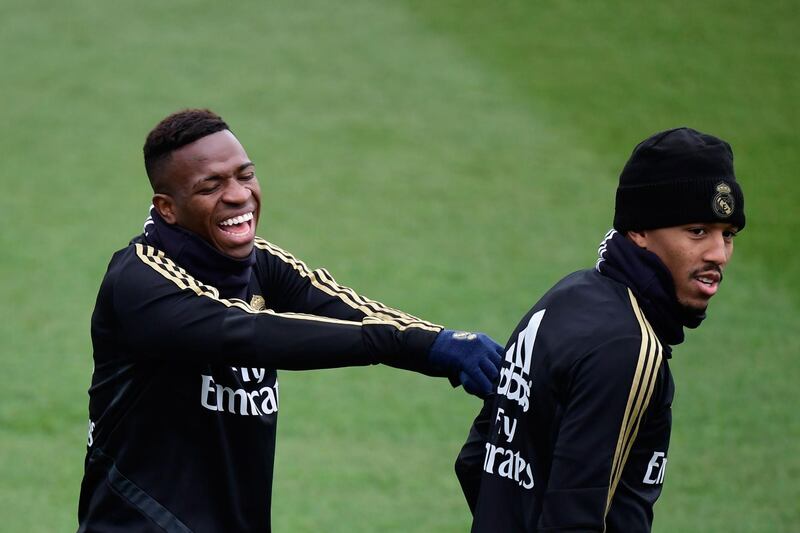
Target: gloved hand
{"points": [[474, 357]]}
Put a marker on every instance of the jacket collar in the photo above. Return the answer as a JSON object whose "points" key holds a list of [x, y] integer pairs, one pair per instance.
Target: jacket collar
{"points": [[194, 254], [651, 282]]}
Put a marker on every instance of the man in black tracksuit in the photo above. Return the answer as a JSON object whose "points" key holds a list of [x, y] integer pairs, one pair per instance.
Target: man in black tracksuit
{"points": [[191, 322], [577, 434]]}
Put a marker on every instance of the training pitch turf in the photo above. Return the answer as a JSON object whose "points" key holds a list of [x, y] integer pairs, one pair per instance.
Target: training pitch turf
{"points": [[450, 158]]}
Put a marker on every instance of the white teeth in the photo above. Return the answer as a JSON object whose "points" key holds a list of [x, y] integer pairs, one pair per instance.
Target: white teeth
{"points": [[237, 220], [705, 280]]}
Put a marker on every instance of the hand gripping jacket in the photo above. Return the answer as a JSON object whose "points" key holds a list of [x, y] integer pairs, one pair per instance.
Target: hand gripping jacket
{"points": [[577, 434], [184, 396]]}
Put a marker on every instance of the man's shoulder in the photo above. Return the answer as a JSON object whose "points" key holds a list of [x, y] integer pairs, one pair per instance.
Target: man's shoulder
{"points": [[267, 249], [272, 258], [587, 308], [585, 314], [587, 292], [137, 262], [124, 256]]}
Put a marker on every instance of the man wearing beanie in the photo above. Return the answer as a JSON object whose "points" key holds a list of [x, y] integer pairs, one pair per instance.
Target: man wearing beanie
{"points": [[576, 436]]}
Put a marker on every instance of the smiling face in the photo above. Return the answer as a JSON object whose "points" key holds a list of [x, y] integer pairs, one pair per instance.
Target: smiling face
{"points": [[212, 190], [695, 255]]}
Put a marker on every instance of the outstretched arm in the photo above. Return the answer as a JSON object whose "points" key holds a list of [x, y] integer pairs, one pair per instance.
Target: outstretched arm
{"points": [[159, 311], [466, 358]]}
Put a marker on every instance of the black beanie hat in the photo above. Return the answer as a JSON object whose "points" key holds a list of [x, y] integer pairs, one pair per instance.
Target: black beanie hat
{"points": [[677, 177]]}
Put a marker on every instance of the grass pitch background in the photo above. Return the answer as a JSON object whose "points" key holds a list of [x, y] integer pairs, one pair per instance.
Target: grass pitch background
{"points": [[453, 159]]}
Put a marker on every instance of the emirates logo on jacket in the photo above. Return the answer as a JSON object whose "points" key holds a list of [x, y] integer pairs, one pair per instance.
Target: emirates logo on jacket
{"points": [[250, 395]]}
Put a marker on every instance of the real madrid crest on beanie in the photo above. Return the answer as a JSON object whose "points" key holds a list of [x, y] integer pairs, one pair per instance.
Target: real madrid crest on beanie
{"points": [[676, 177]]}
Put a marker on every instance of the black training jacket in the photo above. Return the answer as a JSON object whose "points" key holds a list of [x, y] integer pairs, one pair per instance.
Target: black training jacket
{"points": [[184, 397], [576, 437]]}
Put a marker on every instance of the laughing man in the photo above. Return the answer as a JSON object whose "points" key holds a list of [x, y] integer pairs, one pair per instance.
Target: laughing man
{"points": [[192, 321]]}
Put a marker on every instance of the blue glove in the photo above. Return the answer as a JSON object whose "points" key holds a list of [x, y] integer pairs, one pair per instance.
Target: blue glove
{"points": [[474, 357]]}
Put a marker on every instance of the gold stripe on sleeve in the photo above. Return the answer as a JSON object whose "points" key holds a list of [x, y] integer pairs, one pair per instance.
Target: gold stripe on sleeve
{"points": [[642, 386], [323, 280], [164, 266]]}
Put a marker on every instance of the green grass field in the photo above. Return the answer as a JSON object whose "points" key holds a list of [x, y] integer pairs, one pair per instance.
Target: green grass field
{"points": [[450, 158]]}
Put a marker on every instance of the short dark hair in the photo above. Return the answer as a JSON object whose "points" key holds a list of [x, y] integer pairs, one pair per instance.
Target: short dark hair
{"points": [[177, 130]]}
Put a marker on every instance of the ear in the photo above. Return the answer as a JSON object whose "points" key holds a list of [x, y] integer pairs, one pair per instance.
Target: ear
{"points": [[165, 206], [639, 238]]}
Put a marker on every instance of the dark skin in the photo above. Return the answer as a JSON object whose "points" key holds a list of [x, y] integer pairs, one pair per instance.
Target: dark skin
{"points": [[695, 254], [211, 189]]}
